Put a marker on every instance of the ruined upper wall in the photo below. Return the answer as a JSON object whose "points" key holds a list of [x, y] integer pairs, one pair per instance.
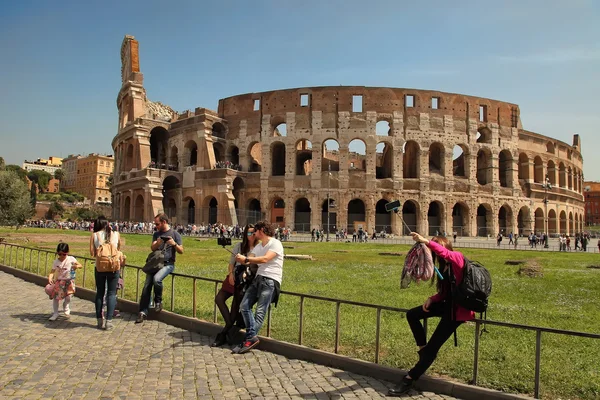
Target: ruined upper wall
{"points": [[331, 99]]}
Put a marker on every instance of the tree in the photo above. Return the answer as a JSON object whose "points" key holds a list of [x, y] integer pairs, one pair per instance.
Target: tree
{"points": [[15, 207], [56, 210], [59, 174], [110, 181], [18, 170], [2, 164], [33, 194], [40, 177]]}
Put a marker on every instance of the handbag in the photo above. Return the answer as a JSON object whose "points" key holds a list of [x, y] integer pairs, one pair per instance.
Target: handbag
{"points": [[49, 289]]}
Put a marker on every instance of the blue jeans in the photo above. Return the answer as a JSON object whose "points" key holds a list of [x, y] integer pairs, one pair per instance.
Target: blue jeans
{"points": [[106, 281], [156, 282], [259, 292]]}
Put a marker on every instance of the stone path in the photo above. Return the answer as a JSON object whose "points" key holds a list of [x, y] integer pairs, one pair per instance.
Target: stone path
{"points": [[71, 359]]}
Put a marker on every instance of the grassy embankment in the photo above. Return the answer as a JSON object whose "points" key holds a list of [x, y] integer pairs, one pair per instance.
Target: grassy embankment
{"points": [[566, 297]]}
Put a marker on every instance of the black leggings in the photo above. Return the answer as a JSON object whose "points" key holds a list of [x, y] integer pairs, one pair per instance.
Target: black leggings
{"points": [[233, 315], [443, 331]]}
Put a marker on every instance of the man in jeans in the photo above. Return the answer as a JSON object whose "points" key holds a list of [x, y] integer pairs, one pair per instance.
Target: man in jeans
{"points": [[170, 240], [265, 288]]}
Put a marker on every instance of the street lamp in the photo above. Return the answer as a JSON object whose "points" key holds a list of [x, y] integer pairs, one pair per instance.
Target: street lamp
{"points": [[547, 186]]}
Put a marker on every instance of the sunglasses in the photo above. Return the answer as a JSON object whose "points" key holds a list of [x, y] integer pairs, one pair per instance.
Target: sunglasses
{"points": [[62, 254], [251, 233]]}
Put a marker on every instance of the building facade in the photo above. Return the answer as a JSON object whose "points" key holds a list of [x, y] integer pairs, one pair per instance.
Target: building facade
{"points": [[592, 203], [89, 176], [456, 162], [49, 165]]}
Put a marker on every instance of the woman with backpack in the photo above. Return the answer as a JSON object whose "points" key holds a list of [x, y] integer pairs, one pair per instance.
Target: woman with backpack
{"points": [[107, 278], [438, 305]]}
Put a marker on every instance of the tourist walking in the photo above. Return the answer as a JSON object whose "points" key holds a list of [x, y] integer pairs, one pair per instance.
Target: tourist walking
{"points": [[265, 288], [61, 280], [438, 305], [107, 277], [169, 240]]}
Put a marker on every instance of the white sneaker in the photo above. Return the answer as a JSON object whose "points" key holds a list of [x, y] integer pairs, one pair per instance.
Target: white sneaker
{"points": [[67, 311], [54, 317]]}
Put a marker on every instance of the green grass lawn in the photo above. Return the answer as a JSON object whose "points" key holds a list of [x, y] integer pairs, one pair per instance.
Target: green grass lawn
{"points": [[566, 297]]}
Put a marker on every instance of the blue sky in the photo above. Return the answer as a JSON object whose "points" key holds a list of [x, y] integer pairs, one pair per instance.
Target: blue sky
{"points": [[60, 68]]}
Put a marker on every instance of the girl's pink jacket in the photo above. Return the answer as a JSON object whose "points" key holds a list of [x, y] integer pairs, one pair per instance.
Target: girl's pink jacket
{"points": [[457, 262]]}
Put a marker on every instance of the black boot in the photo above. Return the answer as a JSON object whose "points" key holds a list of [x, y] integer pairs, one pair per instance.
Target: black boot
{"points": [[219, 340], [402, 388]]}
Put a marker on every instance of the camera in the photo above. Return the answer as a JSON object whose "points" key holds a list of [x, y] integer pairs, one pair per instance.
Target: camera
{"points": [[165, 238], [223, 241], [393, 206]]}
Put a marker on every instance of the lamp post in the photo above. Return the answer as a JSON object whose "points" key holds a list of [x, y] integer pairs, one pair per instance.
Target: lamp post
{"points": [[328, 188], [547, 186]]}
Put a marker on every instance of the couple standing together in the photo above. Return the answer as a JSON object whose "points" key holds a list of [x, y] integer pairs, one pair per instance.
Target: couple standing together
{"points": [[267, 253]]}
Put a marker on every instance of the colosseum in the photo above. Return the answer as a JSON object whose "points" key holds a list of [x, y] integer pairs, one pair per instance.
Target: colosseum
{"points": [[332, 157]]}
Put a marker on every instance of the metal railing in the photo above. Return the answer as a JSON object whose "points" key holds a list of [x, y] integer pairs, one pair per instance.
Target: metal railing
{"points": [[9, 249]]}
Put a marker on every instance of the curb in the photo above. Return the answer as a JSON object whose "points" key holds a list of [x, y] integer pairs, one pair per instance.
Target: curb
{"points": [[290, 350]]}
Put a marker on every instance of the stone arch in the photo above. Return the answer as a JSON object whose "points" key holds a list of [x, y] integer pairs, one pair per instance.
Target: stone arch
{"points": [[562, 175], [330, 155], [437, 159], [278, 159], [302, 213], [238, 186], [332, 215], [538, 170], [523, 220], [159, 142], [539, 221], [484, 166], [523, 166], [410, 214], [219, 130], [563, 222], [170, 187], [385, 160], [571, 223], [191, 153], [280, 130], [234, 155], [126, 209], [460, 160], [356, 213], [210, 211], [435, 218], [383, 128], [570, 178], [505, 219], [383, 218], [219, 151], [278, 211], [460, 219], [484, 220], [138, 208], [505, 168], [357, 155], [484, 135], [129, 160], [552, 222], [254, 211], [304, 157], [411, 160], [550, 147], [190, 210], [174, 157], [171, 209], [254, 157], [552, 172]]}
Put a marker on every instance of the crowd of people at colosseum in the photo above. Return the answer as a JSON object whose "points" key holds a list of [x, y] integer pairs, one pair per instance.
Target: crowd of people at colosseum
{"points": [[228, 164], [170, 167]]}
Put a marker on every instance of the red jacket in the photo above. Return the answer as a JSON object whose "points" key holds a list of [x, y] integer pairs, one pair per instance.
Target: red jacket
{"points": [[457, 263]]}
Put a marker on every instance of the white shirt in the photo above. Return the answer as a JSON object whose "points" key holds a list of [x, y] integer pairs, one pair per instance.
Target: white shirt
{"points": [[99, 238], [62, 269], [274, 268]]}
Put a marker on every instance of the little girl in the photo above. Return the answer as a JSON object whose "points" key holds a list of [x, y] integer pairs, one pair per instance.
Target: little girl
{"points": [[62, 276]]}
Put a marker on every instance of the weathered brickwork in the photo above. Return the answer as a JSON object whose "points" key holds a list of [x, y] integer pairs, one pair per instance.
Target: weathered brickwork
{"points": [[456, 163]]}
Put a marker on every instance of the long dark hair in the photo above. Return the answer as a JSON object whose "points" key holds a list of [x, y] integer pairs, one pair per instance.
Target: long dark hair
{"points": [[101, 224], [442, 263], [245, 244]]}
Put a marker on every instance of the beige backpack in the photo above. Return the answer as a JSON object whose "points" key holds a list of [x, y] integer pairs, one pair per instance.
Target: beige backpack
{"points": [[108, 258]]}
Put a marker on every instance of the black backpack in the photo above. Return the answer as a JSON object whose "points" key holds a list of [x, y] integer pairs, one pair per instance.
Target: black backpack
{"points": [[474, 290]]}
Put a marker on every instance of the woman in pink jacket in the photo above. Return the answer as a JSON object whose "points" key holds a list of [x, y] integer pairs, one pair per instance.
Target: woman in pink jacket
{"points": [[438, 305]]}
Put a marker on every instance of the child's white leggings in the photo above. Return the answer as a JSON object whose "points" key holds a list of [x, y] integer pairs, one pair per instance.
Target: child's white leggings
{"points": [[66, 302]]}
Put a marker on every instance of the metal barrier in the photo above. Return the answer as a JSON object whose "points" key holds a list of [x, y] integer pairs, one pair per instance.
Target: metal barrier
{"points": [[17, 249]]}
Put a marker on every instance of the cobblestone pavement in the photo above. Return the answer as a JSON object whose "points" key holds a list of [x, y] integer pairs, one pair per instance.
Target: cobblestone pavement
{"points": [[71, 359]]}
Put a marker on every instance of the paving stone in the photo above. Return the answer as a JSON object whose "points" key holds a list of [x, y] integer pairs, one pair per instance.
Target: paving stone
{"points": [[71, 359]]}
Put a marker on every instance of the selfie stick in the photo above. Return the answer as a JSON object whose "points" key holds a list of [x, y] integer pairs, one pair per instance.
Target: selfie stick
{"points": [[229, 250]]}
